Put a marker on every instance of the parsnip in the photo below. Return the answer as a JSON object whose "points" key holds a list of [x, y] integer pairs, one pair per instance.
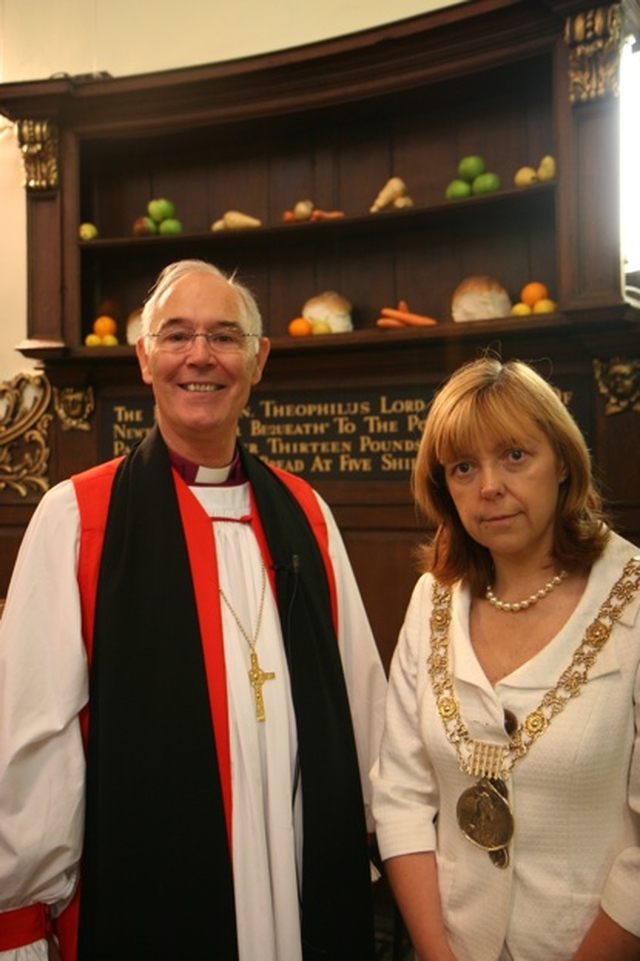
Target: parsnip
{"points": [[235, 219], [394, 188]]}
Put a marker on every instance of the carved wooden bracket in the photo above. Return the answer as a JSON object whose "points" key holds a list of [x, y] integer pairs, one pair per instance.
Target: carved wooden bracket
{"points": [[24, 425], [594, 39], [38, 141], [619, 381], [74, 407]]}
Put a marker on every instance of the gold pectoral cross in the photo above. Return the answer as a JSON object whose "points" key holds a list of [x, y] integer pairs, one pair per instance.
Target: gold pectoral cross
{"points": [[257, 678]]}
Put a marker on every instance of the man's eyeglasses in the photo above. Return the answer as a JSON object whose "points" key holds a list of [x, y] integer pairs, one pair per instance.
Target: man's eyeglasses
{"points": [[223, 340]]}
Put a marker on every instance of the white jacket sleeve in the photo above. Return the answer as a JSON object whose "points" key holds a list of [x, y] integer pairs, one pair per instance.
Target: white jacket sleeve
{"points": [[621, 894], [43, 686], [405, 797]]}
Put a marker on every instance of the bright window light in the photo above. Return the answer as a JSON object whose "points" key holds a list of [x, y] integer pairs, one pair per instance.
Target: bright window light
{"points": [[630, 157]]}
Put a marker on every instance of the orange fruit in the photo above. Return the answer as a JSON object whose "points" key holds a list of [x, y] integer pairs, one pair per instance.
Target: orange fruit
{"points": [[300, 327], [104, 325], [533, 291]]}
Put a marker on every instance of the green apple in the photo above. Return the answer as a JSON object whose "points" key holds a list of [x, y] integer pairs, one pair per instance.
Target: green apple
{"points": [[486, 183], [160, 209], [170, 226], [458, 189], [471, 167], [144, 227], [87, 231]]}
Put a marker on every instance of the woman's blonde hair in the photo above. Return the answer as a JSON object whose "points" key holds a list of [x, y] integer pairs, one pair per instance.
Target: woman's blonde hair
{"points": [[488, 394]]}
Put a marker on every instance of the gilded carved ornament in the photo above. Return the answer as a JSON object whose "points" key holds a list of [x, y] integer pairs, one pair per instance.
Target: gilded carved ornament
{"points": [[618, 381], [38, 140], [74, 407], [594, 40], [24, 425]]}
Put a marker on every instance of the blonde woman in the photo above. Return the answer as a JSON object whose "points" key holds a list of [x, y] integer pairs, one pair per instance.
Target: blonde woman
{"points": [[507, 791]]}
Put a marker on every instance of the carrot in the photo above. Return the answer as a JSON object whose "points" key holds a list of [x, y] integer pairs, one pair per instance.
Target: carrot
{"points": [[414, 320], [389, 322], [326, 214], [403, 306]]}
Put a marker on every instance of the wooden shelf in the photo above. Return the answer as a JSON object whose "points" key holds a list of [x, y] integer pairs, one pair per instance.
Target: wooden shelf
{"points": [[622, 320], [481, 206]]}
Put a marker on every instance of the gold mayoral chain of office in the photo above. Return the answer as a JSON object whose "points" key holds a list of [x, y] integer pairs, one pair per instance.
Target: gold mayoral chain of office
{"points": [[483, 810], [257, 677]]}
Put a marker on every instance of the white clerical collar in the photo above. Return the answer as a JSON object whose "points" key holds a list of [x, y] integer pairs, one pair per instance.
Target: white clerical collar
{"points": [[212, 475]]}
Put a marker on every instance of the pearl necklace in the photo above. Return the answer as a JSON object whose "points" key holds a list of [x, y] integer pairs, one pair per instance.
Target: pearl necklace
{"points": [[512, 607]]}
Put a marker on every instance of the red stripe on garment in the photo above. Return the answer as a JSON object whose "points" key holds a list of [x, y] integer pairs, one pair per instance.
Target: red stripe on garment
{"points": [[199, 535], [23, 926], [93, 493], [304, 494]]}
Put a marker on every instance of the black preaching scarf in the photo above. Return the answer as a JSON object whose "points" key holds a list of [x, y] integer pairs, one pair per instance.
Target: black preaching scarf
{"points": [[156, 871]]}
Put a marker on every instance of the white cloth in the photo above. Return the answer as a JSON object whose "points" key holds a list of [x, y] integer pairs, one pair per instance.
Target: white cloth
{"points": [[575, 795], [44, 685]]}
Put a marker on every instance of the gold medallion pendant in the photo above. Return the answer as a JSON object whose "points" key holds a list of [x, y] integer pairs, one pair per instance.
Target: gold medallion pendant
{"points": [[484, 814]]}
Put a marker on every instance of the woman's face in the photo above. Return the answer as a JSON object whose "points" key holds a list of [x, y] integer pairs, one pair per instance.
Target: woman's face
{"points": [[506, 495]]}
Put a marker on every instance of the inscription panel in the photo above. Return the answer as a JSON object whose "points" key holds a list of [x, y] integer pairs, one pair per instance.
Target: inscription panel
{"points": [[363, 434], [370, 434]]}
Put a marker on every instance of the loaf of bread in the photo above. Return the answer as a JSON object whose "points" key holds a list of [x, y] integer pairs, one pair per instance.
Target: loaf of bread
{"points": [[479, 298]]}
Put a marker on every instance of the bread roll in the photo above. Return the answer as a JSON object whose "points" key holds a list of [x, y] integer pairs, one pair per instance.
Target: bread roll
{"points": [[331, 307]]}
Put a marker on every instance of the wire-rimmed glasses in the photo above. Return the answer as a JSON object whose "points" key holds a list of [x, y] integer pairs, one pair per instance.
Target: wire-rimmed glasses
{"points": [[179, 339]]}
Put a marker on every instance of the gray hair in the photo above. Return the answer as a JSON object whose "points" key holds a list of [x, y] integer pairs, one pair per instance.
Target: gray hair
{"points": [[248, 310]]}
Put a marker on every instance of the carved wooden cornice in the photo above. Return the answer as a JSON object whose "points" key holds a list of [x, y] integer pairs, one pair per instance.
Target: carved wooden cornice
{"points": [[594, 39], [24, 426], [38, 140]]}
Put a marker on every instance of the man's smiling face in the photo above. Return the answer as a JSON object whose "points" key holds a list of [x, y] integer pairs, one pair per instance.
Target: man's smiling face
{"points": [[200, 392]]}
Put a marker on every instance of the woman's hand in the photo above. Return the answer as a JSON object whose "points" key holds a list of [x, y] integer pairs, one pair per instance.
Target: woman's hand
{"points": [[414, 882]]}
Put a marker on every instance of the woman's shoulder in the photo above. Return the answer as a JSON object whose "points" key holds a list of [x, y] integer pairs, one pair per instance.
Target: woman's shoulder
{"points": [[619, 551], [617, 573], [428, 590]]}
